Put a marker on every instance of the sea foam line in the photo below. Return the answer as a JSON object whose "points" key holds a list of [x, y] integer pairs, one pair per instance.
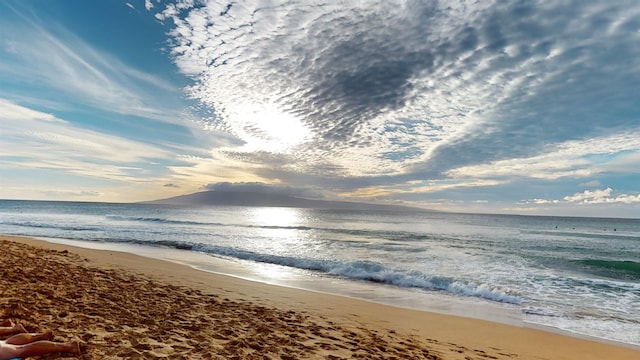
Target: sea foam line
{"points": [[371, 271]]}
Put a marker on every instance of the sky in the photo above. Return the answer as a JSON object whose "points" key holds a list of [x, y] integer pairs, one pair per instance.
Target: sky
{"points": [[523, 107]]}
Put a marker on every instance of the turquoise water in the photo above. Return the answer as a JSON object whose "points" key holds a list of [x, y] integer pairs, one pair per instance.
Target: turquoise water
{"points": [[580, 275]]}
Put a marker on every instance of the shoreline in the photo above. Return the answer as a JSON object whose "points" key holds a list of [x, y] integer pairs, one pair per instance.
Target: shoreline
{"points": [[445, 304], [334, 317], [277, 275]]}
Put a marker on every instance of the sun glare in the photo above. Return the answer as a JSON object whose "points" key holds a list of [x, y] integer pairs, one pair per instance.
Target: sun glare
{"points": [[276, 216], [266, 127], [280, 225]]}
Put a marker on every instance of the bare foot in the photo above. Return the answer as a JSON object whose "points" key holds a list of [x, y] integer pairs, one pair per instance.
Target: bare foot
{"points": [[47, 335], [74, 348]]}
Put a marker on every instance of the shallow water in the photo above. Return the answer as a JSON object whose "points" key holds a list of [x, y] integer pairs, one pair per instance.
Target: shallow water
{"points": [[575, 274]]}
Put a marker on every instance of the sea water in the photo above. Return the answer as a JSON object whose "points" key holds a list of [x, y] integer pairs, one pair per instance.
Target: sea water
{"points": [[579, 275]]}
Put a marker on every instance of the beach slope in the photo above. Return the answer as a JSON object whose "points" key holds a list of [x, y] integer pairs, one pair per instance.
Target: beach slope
{"points": [[125, 306]]}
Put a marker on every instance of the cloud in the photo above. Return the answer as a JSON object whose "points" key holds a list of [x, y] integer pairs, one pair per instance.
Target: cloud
{"points": [[591, 184], [588, 196], [68, 70], [617, 153], [333, 77], [258, 187], [563, 80], [13, 112], [598, 196], [49, 191], [412, 90], [603, 196], [35, 140], [385, 99], [413, 188], [171, 186], [73, 194]]}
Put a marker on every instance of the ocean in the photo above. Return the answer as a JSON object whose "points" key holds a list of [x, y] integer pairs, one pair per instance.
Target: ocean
{"points": [[575, 275]]}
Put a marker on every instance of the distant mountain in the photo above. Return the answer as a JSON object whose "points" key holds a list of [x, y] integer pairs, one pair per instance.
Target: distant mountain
{"points": [[233, 198]]}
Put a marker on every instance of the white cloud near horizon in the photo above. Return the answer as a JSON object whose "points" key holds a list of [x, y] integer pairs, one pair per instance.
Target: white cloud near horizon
{"points": [[35, 140], [577, 158], [434, 186], [598, 196]]}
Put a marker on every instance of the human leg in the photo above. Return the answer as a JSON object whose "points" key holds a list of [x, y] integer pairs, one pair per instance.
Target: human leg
{"points": [[26, 338], [43, 347], [10, 330]]}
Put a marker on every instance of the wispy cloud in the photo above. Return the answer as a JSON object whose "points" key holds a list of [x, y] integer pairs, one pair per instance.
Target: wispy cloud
{"points": [[36, 140], [69, 70], [590, 184], [263, 188], [70, 194], [382, 191], [577, 158]]}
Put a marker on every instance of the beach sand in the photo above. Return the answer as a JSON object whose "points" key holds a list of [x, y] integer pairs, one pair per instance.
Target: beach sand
{"points": [[121, 305]]}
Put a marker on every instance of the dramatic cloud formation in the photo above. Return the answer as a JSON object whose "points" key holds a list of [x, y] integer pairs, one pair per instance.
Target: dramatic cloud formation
{"points": [[375, 87], [393, 97], [465, 105]]}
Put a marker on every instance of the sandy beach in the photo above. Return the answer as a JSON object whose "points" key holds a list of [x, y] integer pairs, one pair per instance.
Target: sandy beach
{"points": [[120, 305]]}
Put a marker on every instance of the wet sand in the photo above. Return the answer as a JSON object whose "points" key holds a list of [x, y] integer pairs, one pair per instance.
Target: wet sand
{"points": [[121, 305]]}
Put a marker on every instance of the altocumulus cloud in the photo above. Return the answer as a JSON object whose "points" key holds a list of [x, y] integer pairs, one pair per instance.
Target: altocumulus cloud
{"points": [[409, 90]]}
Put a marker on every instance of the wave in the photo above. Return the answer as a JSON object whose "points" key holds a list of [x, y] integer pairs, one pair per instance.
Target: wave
{"points": [[391, 236], [357, 270], [188, 222], [578, 315], [371, 271], [159, 220], [604, 316], [41, 225], [610, 235], [538, 312], [626, 269], [397, 236]]}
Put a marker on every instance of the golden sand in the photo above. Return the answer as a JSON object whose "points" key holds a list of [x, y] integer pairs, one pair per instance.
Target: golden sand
{"points": [[121, 305]]}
